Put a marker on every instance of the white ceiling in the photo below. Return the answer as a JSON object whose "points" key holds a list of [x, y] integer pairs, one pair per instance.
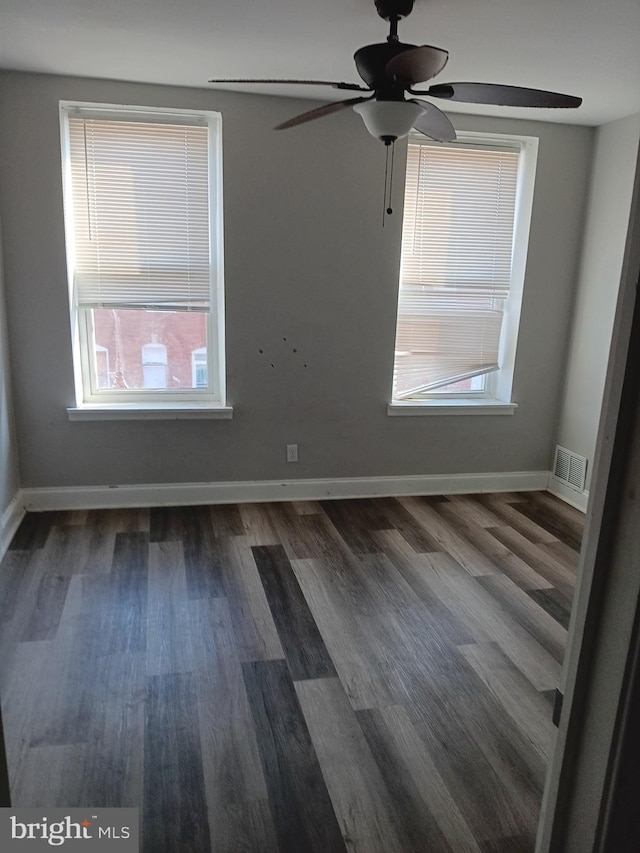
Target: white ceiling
{"points": [[581, 47]]}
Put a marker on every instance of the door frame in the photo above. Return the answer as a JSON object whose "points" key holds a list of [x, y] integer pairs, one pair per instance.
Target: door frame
{"points": [[581, 779]]}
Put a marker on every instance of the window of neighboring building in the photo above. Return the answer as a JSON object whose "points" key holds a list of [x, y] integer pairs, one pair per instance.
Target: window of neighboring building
{"points": [[144, 246], [103, 374], [199, 368], [154, 366], [464, 240]]}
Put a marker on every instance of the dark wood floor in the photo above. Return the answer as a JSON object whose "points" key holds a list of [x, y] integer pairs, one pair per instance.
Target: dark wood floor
{"points": [[367, 675]]}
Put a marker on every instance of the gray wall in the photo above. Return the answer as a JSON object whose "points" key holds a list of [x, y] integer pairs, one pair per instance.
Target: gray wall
{"points": [[306, 260], [614, 167], [9, 478]]}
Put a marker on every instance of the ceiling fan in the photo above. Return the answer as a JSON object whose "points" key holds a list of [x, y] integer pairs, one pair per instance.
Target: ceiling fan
{"points": [[391, 69]]}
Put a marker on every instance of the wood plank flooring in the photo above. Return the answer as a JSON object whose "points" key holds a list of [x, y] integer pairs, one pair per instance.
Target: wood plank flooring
{"points": [[367, 675]]}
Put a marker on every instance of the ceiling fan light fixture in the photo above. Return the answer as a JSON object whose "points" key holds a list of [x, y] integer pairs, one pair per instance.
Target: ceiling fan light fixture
{"points": [[388, 120]]}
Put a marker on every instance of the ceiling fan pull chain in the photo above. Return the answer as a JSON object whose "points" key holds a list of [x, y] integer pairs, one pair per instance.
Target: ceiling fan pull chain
{"points": [[390, 152], [386, 175], [393, 158]]}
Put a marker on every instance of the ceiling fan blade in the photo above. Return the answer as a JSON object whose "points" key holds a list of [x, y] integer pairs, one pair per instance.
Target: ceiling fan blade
{"points": [[319, 112], [496, 93], [434, 123], [418, 64], [332, 83]]}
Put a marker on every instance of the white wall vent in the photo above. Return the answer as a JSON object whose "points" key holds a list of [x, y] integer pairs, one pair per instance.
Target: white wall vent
{"points": [[570, 468]]}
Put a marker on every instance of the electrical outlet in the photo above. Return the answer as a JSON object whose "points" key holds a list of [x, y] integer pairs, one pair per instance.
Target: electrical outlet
{"points": [[292, 452]]}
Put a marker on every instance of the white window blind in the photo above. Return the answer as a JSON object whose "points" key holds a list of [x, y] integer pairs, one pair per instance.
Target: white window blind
{"points": [[140, 195], [455, 273]]}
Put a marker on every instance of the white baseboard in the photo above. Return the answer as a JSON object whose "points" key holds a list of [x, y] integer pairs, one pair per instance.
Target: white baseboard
{"points": [[9, 521], [176, 494], [577, 499]]}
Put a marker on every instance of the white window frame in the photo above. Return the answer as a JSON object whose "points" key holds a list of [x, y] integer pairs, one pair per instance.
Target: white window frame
{"points": [[496, 398], [88, 395]]}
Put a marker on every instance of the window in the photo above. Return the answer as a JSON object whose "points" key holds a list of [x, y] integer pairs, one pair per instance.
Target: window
{"points": [[154, 366], [103, 373], [199, 368], [144, 248], [464, 239]]}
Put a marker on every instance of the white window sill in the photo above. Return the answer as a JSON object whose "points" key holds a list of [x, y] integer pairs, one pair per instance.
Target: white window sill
{"points": [[147, 411], [452, 407]]}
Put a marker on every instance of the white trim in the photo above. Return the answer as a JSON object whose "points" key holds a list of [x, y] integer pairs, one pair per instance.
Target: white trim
{"points": [[176, 494], [9, 521], [151, 411], [579, 500], [455, 406], [126, 112], [521, 230]]}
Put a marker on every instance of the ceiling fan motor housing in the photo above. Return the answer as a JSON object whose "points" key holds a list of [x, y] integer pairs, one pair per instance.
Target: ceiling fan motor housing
{"points": [[388, 9], [371, 62]]}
